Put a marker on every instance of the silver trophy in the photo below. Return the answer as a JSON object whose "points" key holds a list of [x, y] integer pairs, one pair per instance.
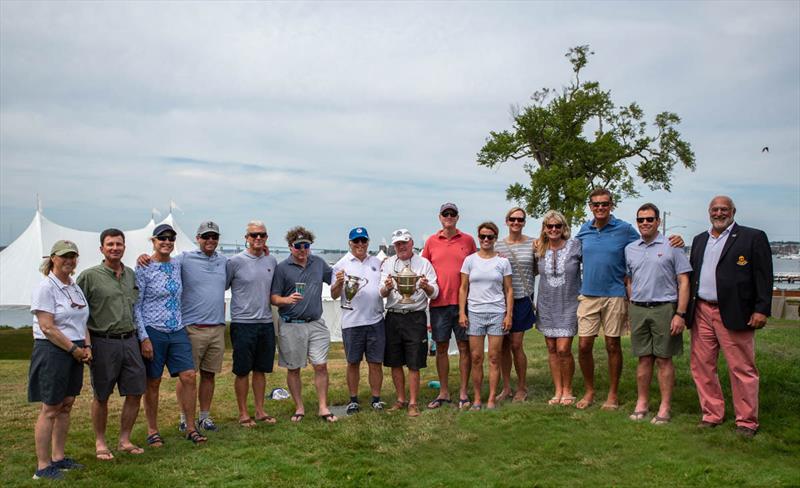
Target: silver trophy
{"points": [[406, 283], [351, 286]]}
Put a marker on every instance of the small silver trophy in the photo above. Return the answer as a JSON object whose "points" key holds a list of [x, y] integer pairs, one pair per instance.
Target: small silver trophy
{"points": [[351, 286]]}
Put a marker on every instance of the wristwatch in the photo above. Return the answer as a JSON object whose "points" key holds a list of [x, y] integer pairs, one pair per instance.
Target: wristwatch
{"points": [[681, 315]]}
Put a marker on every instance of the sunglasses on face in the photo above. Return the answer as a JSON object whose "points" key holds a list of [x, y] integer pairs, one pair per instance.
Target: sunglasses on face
{"points": [[487, 237], [210, 237], [517, 219], [554, 226], [301, 245], [360, 240], [600, 204], [449, 214], [645, 219], [257, 235], [163, 238]]}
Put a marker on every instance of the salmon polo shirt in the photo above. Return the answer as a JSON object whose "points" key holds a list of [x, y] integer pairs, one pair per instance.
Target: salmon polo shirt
{"points": [[447, 256]]}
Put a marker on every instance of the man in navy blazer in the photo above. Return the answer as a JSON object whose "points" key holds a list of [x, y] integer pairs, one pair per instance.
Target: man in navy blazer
{"points": [[731, 290]]}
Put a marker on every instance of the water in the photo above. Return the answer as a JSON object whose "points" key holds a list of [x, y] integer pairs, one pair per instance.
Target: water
{"points": [[21, 316]]}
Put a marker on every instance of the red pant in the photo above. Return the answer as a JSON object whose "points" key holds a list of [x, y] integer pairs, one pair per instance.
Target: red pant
{"points": [[708, 336]]}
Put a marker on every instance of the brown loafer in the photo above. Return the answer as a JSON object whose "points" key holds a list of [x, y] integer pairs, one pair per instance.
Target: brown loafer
{"points": [[746, 432]]}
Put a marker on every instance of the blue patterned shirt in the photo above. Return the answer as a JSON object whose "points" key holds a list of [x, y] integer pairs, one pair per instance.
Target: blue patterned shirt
{"points": [[159, 304]]}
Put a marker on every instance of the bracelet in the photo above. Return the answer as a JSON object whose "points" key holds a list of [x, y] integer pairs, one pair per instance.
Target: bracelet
{"points": [[73, 348]]}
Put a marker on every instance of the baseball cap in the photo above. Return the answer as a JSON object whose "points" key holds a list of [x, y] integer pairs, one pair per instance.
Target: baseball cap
{"points": [[302, 238], [63, 247], [162, 228], [448, 206], [401, 235], [207, 226], [358, 232]]}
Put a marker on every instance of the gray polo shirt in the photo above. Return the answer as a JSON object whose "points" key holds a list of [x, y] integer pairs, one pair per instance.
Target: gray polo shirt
{"points": [[313, 274], [203, 297], [654, 268], [250, 281]]}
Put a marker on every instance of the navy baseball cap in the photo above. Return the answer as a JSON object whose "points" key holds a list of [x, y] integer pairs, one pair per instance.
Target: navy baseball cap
{"points": [[163, 228], [358, 232]]}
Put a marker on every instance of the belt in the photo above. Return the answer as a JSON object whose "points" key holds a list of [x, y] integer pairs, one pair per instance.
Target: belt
{"points": [[402, 312], [113, 336], [650, 304], [716, 304], [205, 325], [296, 321]]}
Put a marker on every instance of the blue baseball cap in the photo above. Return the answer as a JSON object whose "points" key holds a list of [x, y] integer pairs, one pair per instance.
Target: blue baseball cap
{"points": [[358, 232], [163, 228]]}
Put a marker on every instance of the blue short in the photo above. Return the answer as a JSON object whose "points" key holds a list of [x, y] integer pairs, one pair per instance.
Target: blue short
{"points": [[364, 340], [524, 316], [444, 321], [172, 349], [253, 347]]}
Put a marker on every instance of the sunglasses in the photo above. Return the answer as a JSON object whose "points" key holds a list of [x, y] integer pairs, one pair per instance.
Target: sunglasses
{"points": [[487, 237], [645, 219], [516, 219], [449, 213], [360, 240], [600, 204], [257, 235], [554, 226], [301, 245], [72, 302], [210, 237], [163, 238]]}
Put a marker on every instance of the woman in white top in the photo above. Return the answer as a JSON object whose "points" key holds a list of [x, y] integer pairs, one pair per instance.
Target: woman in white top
{"points": [[486, 306], [60, 349]]}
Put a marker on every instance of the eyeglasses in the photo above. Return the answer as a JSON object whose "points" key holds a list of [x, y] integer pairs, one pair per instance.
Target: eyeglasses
{"points": [[163, 238], [449, 214], [360, 240], [645, 219], [487, 237], [257, 235], [600, 204], [210, 236], [301, 245], [516, 219], [554, 226], [67, 294]]}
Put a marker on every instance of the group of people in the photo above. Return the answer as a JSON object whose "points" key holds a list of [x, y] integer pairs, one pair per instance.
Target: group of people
{"points": [[127, 326]]}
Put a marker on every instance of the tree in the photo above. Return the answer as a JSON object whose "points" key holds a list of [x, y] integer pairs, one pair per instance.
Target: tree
{"points": [[573, 141]]}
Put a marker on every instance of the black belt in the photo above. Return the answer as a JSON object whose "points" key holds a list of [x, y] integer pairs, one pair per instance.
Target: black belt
{"points": [[403, 312], [650, 304], [113, 336], [716, 304], [296, 321]]}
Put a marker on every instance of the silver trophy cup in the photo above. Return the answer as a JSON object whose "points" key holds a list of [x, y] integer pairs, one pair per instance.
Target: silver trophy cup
{"points": [[351, 286]]}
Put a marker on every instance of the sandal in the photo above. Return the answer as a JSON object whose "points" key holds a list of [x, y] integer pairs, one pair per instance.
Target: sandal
{"points": [[583, 404], [658, 420], [196, 437], [554, 401], [398, 405], [297, 417], [438, 403], [328, 418], [520, 396], [247, 423], [639, 415], [464, 403], [132, 449], [476, 407], [155, 440], [104, 452], [504, 395], [610, 407], [568, 400], [267, 419]]}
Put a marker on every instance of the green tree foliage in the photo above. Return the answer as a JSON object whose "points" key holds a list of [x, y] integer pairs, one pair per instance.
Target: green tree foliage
{"points": [[575, 140]]}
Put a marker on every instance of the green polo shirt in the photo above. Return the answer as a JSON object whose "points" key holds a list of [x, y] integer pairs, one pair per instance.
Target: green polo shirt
{"points": [[110, 299]]}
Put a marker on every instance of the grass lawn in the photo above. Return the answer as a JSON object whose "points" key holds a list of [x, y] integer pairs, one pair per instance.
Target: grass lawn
{"points": [[530, 444]]}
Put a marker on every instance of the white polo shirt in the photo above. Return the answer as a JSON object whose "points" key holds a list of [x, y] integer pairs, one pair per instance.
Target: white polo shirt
{"points": [[368, 303], [53, 296]]}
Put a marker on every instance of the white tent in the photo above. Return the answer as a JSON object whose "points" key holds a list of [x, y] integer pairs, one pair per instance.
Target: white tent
{"points": [[19, 262]]}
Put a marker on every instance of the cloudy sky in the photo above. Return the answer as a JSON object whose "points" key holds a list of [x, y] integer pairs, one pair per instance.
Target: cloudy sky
{"points": [[333, 115]]}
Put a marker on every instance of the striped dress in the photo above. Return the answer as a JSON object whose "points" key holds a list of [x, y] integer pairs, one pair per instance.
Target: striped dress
{"points": [[522, 265]]}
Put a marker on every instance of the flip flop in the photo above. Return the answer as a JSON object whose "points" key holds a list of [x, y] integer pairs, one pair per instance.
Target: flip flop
{"points": [[476, 407], [639, 415], [328, 418], [132, 449], [504, 395], [267, 419], [438, 403], [247, 423], [657, 420], [155, 440], [196, 437], [297, 417], [464, 403], [554, 401], [568, 400], [583, 404], [520, 398], [104, 452], [610, 407]]}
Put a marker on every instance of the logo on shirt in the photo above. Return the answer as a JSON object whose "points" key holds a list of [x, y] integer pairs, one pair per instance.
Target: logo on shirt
{"points": [[742, 261]]}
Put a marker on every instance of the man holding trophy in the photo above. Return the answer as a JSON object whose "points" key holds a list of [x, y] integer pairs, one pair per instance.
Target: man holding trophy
{"points": [[363, 333], [409, 282]]}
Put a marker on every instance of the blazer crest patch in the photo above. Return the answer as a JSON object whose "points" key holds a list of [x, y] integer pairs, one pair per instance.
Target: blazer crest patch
{"points": [[742, 261]]}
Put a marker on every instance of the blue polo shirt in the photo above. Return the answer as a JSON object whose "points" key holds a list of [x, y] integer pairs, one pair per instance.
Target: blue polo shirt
{"points": [[604, 257], [288, 272], [653, 268], [203, 297]]}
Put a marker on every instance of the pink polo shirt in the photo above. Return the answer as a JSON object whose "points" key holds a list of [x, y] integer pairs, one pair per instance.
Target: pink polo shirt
{"points": [[447, 256]]}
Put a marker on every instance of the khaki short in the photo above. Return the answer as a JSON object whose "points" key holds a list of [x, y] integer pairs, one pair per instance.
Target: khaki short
{"points": [[300, 343], [606, 314], [208, 347]]}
